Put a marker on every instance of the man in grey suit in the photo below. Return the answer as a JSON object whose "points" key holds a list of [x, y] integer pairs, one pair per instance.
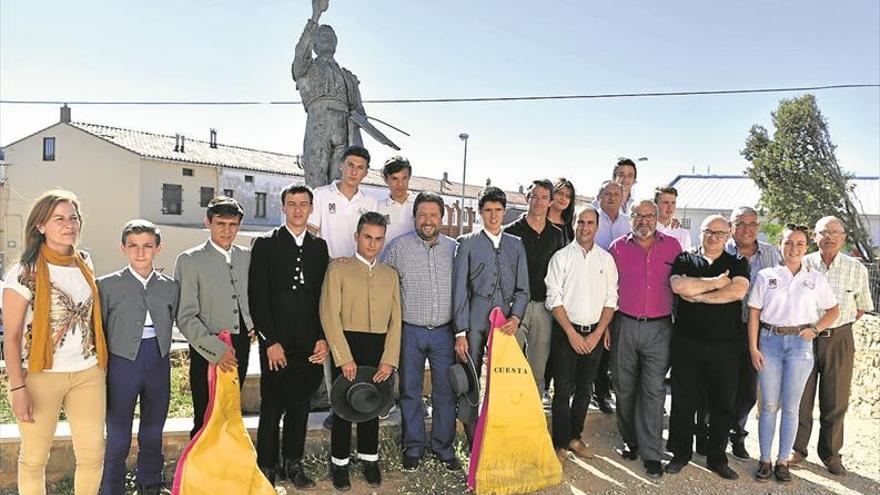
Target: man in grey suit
{"points": [[489, 270], [214, 297]]}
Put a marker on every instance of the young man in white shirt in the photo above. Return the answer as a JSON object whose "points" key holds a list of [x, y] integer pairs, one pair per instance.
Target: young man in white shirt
{"points": [[398, 206], [582, 296], [666, 197], [340, 204]]}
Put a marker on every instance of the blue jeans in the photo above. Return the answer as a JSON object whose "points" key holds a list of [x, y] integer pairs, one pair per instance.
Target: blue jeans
{"points": [[788, 361]]}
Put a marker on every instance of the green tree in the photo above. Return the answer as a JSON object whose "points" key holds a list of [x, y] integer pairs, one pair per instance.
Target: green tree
{"points": [[798, 174]]}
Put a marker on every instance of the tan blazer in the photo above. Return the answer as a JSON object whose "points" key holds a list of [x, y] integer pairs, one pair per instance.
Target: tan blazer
{"points": [[356, 299]]}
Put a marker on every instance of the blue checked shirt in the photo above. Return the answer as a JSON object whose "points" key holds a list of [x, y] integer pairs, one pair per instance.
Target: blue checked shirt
{"points": [[425, 277], [765, 257]]}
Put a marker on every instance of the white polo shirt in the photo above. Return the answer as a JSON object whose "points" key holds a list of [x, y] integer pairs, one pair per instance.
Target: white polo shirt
{"points": [[681, 234], [786, 300], [336, 217], [399, 216]]}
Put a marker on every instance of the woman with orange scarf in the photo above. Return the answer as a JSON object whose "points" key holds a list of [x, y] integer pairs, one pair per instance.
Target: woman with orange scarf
{"points": [[55, 350]]}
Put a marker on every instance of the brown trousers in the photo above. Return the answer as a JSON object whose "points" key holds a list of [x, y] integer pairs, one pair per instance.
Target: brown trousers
{"points": [[832, 371]]}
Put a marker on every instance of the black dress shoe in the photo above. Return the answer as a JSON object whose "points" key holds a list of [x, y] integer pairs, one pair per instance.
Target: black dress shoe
{"points": [[410, 463], [628, 452], [328, 422], [297, 475], [739, 450], [340, 477], [150, 490], [268, 472], [604, 405], [723, 470], [451, 464], [676, 465], [372, 473], [654, 468]]}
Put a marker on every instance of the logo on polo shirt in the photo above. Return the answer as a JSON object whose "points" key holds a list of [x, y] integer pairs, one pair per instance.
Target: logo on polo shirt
{"points": [[772, 283], [387, 217], [331, 208], [808, 284]]}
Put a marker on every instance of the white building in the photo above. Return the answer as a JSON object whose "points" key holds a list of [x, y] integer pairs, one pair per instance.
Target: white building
{"points": [[702, 195]]}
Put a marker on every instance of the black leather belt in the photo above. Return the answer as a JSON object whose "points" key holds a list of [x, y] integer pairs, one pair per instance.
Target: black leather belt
{"points": [[584, 329], [643, 319], [780, 330], [429, 327]]}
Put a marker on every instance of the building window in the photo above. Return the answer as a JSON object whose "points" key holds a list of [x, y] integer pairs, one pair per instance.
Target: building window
{"points": [[172, 199], [686, 223], [248, 178], [48, 149], [187, 172], [205, 196], [227, 192], [261, 205]]}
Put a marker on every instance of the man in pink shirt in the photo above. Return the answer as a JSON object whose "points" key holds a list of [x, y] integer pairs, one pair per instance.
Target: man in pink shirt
{"points": [[641, 333]]}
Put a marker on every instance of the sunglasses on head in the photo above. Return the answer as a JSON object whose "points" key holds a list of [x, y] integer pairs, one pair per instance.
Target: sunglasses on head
{"points": [[802, 228]]}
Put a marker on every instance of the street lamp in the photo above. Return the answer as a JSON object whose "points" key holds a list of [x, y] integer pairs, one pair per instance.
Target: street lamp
{"points": [[464, 137]]}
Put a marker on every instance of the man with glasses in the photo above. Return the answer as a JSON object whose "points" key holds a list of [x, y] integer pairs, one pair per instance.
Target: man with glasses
{"points": [[834, 348], [709, 283], [744, 244], [541, 239], [641, 333]]}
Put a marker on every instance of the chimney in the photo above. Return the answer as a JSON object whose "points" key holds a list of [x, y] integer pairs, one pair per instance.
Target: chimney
{"points": [[521, 191], [488, 181], [182, 142], [445, 176], [213, 140], [65, 114], [176, 143]]}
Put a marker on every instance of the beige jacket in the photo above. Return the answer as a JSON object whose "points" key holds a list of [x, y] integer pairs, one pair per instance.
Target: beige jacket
{"points": [[357, 299]]}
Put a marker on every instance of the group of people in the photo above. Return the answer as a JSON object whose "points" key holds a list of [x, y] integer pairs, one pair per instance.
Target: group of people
{"points": [[350, 283]]}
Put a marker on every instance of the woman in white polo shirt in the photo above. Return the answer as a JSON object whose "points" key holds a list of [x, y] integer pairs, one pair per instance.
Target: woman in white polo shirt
{"points": [[784, 317]]}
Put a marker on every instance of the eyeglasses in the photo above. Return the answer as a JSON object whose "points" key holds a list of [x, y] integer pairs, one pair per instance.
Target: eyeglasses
{"points": [[718, 234], [830, 233], [562, 194], [750, 225], [649, 217], [802, 228]]}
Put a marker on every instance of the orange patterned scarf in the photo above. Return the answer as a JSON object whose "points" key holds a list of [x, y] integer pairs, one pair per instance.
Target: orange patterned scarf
{"points": [[42, 345]]}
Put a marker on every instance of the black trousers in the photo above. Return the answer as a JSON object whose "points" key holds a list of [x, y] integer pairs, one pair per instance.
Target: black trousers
{"points": [[366, 349], [697, 367], [198, 376], [746, 395], [296, 420], [602, 382], [572, 372]]}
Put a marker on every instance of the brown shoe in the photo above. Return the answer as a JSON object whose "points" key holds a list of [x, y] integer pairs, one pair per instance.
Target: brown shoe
{"points": [[796, 457], [765, 471], [835, 466], [562, 455], [580, 449], [781, 472]]}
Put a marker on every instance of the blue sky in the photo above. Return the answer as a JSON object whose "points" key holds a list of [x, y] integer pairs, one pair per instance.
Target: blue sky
{"points": [[234, 50]]}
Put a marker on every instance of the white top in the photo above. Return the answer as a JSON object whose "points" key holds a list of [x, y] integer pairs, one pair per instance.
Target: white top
{"points": [[788, 301], [583, 282], [298, 239], [71, 317], [681, 234], [496, 239], [608, 230], [399, 216], [149, 331], [227, 253], [336, 217], [364, 261]]}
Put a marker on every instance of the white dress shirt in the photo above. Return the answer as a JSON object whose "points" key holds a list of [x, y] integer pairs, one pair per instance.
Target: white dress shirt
{"points": [[583, 282], [364, 261], [227, 253], [496, 239], [149, 331], [683, 235], [298, 239]]}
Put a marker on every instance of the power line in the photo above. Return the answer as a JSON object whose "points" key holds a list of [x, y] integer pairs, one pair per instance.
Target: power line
{"points": [[477, 99]]}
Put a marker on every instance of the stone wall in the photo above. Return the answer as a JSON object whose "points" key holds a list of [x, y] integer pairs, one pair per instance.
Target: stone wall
{"points": [[865, 395]]}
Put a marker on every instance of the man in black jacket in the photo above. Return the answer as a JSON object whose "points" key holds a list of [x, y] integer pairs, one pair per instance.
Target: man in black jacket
{"points": [[286, 273]]}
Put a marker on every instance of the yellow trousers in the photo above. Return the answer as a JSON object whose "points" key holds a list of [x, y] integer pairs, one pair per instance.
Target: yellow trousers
{"points": [[83, 397]]}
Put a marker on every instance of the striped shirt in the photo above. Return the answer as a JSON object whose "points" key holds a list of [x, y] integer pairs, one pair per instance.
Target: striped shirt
{"points": [[766, 256], [425, 277], [849, 281]]}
